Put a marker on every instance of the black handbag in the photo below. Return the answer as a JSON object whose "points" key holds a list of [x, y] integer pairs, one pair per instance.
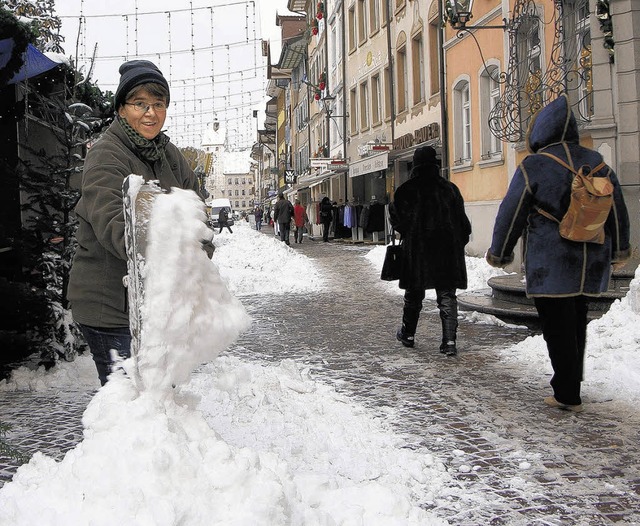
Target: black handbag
{"points": [[392, 265]]}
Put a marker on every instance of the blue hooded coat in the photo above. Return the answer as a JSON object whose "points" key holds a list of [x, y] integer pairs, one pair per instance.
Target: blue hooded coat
{"points": [[555, 266]]}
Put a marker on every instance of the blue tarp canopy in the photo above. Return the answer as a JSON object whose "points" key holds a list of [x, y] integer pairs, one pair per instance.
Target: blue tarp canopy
{"points": [[34, 62]]}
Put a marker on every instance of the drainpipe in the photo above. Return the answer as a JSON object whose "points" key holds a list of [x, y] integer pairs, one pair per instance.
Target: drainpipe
{"points": [[344, 98], [392, 105], [391, 83], [444, 121]]}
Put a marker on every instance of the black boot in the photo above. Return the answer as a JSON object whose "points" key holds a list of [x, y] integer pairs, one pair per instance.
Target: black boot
{"points": [[406, 339]]}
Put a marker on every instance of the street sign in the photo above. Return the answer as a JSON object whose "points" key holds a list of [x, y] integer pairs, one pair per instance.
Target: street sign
{"points": [[289, 177]]}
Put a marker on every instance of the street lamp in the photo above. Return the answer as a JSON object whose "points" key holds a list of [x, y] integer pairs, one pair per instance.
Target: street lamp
{"points": [[459, 12]]}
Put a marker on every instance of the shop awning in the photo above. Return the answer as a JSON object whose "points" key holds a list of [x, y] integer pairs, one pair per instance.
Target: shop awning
{"points": [[309, 181], [33, 61], [373, 163]]}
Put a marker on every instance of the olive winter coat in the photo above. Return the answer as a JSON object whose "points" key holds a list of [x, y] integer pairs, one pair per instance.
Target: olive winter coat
{"points": [[96, 292]]}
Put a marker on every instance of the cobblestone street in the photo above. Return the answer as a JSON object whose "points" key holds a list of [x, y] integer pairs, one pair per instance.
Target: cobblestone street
{"points": [[525, 463]]}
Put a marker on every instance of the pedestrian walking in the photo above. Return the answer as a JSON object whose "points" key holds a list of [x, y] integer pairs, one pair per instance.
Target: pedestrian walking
{"points": [[326, 216], [300, 219], [133, 143], [561, 274], [282, 214], [428, 211], [223, 220], [258, 215]]}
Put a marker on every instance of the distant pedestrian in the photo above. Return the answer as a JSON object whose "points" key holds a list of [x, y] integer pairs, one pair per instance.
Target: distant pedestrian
{"points": [[282, 214], [223, 220], [326, 216], [561, 274], [428, 211], [258, 215], [300, 219]]}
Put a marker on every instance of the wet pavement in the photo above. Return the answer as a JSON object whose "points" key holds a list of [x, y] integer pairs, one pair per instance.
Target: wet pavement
{"points": [[514, 461]]}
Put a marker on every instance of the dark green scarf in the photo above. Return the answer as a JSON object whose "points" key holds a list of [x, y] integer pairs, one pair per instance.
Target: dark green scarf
{"points": [[149, 150]]}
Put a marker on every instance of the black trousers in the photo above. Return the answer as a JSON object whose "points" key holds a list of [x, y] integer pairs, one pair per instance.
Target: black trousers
{"points": [[564, 327], [447, 305], [325, 230], [285, 231]]}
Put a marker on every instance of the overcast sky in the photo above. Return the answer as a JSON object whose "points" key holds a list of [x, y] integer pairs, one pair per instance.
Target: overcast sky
{"points": [[209, 51]]}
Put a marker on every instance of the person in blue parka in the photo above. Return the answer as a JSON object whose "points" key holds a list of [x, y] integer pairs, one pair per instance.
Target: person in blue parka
{"points": [[561, 275]]}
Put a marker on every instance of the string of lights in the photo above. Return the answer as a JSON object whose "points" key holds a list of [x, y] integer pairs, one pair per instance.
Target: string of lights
{"points": [[219, 57]]}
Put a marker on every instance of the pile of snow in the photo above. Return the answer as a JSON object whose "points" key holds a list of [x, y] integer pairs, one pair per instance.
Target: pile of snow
{"points": [[189, 315], [255, 263], [612, 368], [264, 446]]}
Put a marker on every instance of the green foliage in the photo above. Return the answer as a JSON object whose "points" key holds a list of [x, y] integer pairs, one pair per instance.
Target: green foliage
{"points": [[44, 24], [7, 450], [21, 34]]}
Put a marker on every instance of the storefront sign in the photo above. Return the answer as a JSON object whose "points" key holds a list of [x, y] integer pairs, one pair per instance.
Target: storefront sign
{"points": [[289, 177], [424, 134], [374, 163]]}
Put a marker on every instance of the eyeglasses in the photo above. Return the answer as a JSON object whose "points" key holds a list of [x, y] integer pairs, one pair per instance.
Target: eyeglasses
{"points": [[143, 107]]}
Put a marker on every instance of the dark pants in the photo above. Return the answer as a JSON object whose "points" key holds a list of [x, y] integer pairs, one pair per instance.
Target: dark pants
{"points": [[325, 230], [228, 228], [101, 340], [564, 327], [447, 305], [299, 233], [285, 230]]}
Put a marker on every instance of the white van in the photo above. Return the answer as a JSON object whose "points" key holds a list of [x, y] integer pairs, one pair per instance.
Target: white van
{"points": [[217, 205]]}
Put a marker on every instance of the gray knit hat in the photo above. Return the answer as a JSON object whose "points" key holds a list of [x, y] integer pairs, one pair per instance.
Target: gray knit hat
{"points": [[134, 73]]}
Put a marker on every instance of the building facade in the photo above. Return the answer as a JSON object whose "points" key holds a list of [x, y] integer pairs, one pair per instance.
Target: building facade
{"points": [[380, 78]]}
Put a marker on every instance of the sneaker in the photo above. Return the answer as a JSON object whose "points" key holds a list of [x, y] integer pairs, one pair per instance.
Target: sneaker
{"points": [[448, 348], [406, 340], [552, 402]]}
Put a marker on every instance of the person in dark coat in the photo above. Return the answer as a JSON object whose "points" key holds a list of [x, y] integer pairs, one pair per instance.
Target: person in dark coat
{"points": [[560, 274], [282, 214], [428, 211], [223, 220], [258, 215], [326, 216]]}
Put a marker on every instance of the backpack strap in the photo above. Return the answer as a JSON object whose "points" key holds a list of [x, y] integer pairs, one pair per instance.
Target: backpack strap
{"points": [[558, 160], [546, 214]]}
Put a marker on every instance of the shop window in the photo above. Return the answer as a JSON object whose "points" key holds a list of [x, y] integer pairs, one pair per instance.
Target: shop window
{"points": [[489, 97], [387, 93], [353, 110], [434, 64], [362, 21], [352, 29], [374, 16], [529, 50], [376, 100], [364, 106], [401, 78], [417, 59], [462, 123]]}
